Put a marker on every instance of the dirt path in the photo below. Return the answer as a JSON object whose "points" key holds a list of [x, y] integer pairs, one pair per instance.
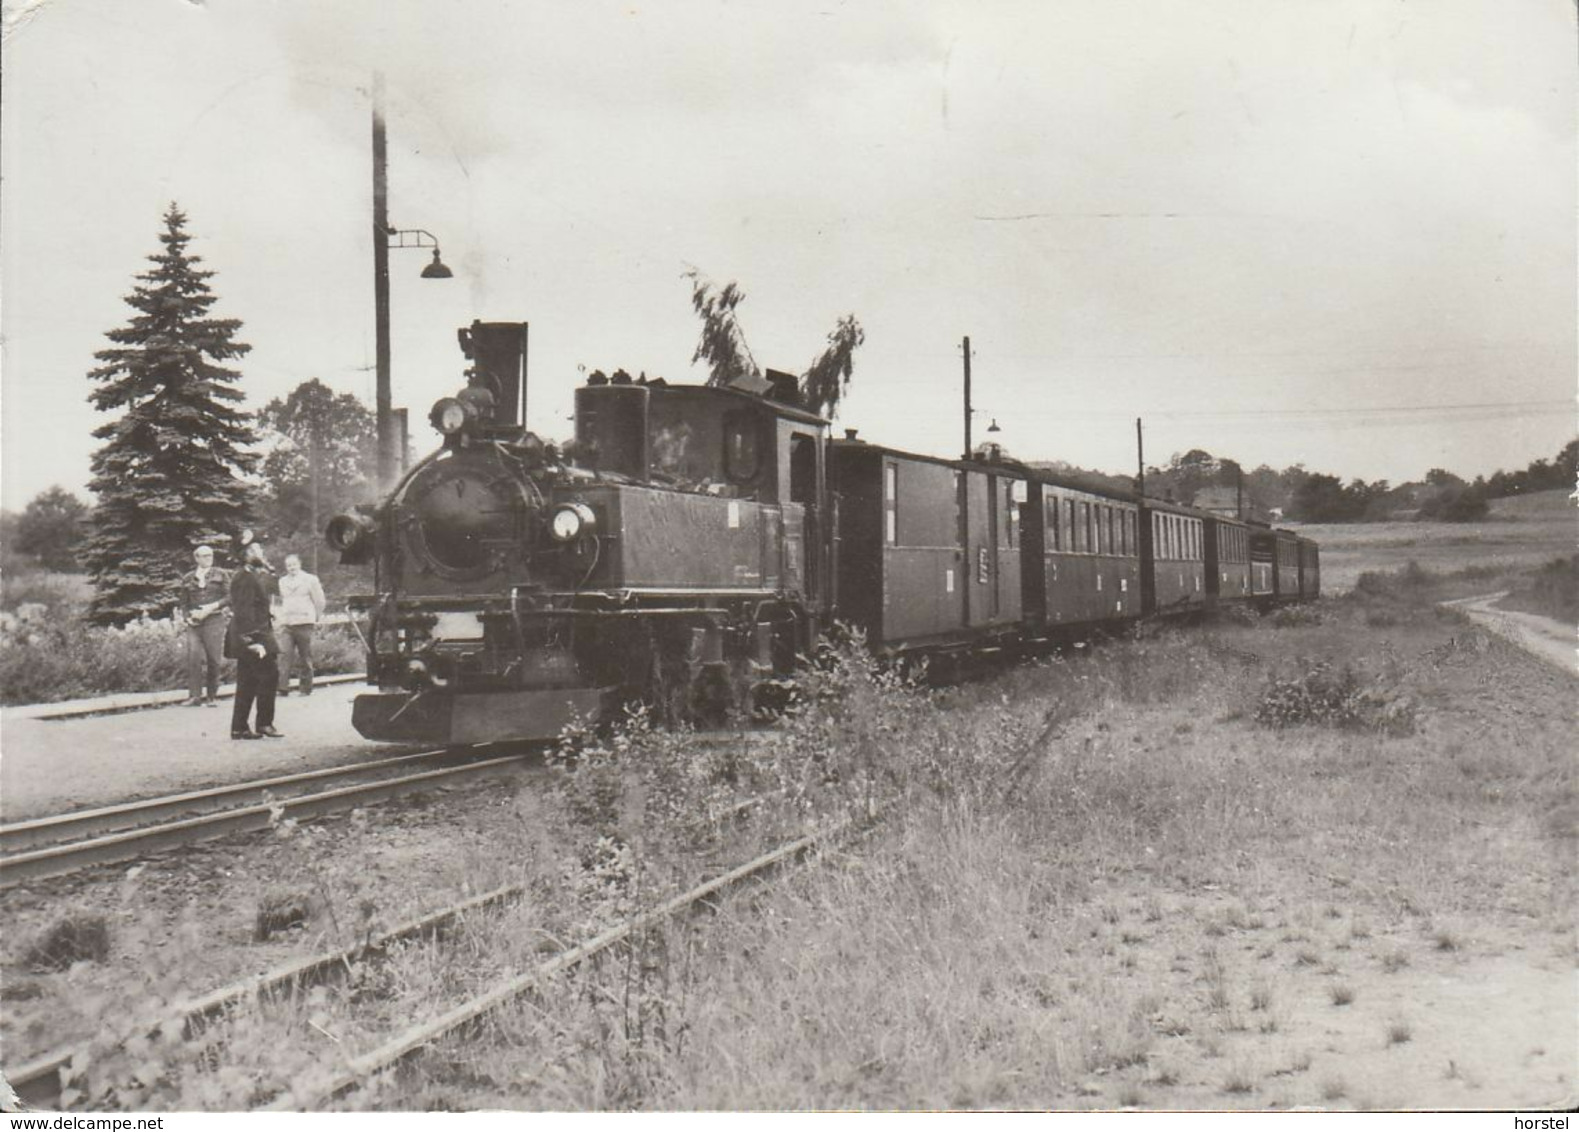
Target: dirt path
{"points": [[1548, 639]]}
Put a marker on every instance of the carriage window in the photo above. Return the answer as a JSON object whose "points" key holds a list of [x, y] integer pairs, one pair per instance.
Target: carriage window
{"points": [[1050, 507], [1112, 531], [741, 456], [891, 502]]}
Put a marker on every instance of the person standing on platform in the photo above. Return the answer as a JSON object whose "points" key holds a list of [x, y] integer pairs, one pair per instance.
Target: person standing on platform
{"points": [[301, 607], [251, 641], [205, 594]]}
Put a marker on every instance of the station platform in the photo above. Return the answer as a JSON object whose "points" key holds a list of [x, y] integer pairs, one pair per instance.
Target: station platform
{"points": [[59, 757]]}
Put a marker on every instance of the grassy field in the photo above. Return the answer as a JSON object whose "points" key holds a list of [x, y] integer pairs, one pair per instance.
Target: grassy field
{"points": [[1322, 858], [1519, 533]]}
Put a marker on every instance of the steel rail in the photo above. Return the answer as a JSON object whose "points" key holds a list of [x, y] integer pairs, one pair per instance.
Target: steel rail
{"points": [[58, 860], [418, 1037], [37, 1082], [36, 832]]}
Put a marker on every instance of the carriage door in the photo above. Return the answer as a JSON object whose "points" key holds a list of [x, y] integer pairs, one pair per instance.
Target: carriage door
{"points": [[991, 549], [803, 489], [981, 549]]}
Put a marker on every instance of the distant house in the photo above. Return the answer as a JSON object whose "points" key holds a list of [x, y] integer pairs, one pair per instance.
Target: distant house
{"points": [[1218, 500], [1225, 501]]}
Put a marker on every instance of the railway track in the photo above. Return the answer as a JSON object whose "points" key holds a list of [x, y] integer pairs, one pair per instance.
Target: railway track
{"points": [[421, 1036], [56, 846], [38, 1082]]}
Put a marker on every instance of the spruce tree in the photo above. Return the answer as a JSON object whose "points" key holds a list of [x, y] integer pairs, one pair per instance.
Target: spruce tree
{"points": [[170, 474]]}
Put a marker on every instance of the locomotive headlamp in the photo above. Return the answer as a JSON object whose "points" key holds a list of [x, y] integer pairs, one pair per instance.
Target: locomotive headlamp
{"points": [[571, 521], [449, 415]]}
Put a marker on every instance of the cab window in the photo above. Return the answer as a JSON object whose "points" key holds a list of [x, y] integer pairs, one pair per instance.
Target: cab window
{"points": [[742, 446]]}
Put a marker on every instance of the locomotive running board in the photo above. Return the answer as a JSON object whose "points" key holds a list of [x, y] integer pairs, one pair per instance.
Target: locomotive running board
{"points": [[476, 717]]}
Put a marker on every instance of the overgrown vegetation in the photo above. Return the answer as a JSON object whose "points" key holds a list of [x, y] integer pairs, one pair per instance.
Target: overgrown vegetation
{"points": [[48, 653], [1318, 693], [1552, 591], [989, 942]]}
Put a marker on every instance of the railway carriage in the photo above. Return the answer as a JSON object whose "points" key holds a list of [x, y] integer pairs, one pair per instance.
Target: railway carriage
{"points": [[1227, 561], [1081, 558], [1309, 570], [1178, 558], [929, 549], [1276, 556]]}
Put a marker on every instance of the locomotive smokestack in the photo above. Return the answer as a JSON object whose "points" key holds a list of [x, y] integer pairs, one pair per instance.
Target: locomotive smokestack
{"points": [[498, 355]]}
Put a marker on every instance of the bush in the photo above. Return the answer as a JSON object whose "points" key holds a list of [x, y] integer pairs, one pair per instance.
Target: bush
{"points": [[76, 938], [1553, 591], [1297, 616], [46, 656], [1330, 697], [1454, 504]]}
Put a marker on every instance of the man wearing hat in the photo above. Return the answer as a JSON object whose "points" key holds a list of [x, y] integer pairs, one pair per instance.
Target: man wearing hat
{"points": [[250, 640]]}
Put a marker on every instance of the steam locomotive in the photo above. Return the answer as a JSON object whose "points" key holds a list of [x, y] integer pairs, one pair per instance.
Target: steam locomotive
{"points": [[694, 540]]}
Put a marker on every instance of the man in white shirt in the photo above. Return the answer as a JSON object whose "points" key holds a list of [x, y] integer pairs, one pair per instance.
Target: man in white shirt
{"points": [[205, 594], [301, 606]]}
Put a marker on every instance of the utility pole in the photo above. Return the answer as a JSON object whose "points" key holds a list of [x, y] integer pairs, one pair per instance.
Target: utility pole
{"points": [[1140, 460], [1148, 574], [967, 397], [382, 399], [314, 465]]}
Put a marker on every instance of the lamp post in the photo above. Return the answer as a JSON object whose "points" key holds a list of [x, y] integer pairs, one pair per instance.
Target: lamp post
{"points": [[385, 238]]}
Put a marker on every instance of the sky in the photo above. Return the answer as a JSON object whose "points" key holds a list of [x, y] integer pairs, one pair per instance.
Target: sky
{"points": [[1338, 234]]}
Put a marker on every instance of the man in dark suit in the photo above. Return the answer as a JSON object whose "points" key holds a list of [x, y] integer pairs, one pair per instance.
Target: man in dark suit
{"points": [[205, 592], [250, 640]]}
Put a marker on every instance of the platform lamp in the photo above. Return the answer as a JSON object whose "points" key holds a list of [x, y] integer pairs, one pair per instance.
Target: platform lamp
{"points": [[385, 238]]}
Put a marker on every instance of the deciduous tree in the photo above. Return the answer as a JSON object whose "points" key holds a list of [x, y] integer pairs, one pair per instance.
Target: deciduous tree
{"points": [[321, 456], [50, 530], [722, 346]]}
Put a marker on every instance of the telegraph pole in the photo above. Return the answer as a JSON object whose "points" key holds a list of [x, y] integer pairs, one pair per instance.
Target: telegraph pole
{"points": [[1140, 460], [386, 432], [314, 469], [1148, 575], [967, 397]]}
